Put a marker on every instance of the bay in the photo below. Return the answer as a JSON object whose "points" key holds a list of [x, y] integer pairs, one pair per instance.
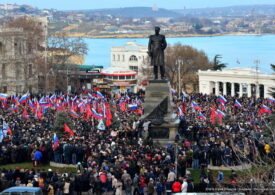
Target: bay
{"points": [[237, 51]]}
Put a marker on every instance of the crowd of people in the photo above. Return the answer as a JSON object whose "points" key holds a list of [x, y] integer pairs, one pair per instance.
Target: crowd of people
{"points": [[122, 156]]}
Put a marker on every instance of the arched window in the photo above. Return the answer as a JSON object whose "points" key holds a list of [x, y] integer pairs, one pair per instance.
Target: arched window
{"points": [[123, 58], [133, 58], [118, 57], [114, 57]]}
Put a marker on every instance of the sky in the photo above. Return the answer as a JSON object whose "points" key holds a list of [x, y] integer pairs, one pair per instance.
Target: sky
{"points": [[97, 4]]}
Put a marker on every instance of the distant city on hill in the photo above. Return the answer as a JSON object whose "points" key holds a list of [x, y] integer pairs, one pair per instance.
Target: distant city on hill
{"points": [[139, 21]]}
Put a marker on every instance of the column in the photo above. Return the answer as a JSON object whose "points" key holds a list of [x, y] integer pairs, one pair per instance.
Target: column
{"points": [[240, 90], [266, 91], [257, 90], [208, 86], [224, 89], [216, 88], [248, 90], [232, 89]]}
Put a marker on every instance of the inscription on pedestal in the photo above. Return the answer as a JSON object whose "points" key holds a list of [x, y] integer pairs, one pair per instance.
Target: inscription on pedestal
{"points": [[156, 94], [159, 133]]}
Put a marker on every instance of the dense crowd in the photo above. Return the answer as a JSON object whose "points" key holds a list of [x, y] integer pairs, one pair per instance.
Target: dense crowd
{"points": [[122, 156]]}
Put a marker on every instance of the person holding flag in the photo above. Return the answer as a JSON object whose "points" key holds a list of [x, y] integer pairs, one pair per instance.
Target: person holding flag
{"points": [[237, 104], [6, 128], [68, 130]]}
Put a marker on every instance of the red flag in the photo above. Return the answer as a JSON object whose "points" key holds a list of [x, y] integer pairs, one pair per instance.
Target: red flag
{"points": [[39, 113], [25, 114], [88, 112], [108, 122], [183, 107], [213, 113], [140, 111], [68, 130], [122, 108]]}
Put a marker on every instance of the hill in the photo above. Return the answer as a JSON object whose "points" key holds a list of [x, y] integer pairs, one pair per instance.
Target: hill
{"points": [[133, 12], [233, 11]]}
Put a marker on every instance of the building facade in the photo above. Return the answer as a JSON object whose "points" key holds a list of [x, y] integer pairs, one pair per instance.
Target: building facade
{"points": [[236, 82], [130, 56], [17, 62], [120, 79]]}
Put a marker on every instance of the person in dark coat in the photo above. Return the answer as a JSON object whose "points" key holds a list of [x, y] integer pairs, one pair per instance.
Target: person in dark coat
{"points": [[77, 184]]}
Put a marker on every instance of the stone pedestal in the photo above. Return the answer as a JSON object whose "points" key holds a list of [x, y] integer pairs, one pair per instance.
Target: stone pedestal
{"points": [[158, 108]]}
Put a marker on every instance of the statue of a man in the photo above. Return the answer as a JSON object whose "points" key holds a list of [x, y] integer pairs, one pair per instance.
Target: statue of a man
{"points": [[156, 47]]}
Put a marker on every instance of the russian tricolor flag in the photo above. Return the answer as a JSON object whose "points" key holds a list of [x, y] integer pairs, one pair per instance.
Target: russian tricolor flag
{"points": [[222, 105], [132, 107], [220, 113], [265, 109], [55, 142], [222, 99], [74, 114], [24, 99], [271, 100], [237, 104], [196, 106], [96, 115], [3, 96], [31, 105], [201, 116], [90, 96], [99, 95], [6, 128], [180, 113]]}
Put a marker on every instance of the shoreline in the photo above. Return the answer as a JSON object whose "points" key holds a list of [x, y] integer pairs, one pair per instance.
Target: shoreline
{"points": [[124, 36]]}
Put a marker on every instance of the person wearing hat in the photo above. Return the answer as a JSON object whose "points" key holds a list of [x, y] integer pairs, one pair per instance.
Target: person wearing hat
{"points": [[151, 187]]}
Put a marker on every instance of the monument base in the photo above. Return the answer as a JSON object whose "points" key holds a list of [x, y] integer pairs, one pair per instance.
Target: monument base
{"points": [[158, 108], [164, 133]]}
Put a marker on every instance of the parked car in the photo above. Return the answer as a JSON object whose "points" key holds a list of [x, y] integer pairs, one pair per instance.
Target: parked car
{"points": [[22, 191]]}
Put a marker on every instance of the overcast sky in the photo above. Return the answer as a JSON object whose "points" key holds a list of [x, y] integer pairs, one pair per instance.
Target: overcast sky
{"points": [[169, 4]]}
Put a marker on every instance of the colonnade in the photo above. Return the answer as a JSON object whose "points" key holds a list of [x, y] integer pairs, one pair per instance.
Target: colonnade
{"points": [[248, 89]]}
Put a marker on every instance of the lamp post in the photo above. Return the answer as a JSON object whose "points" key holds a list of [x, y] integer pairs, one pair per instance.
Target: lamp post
{"points": [[176, 158]]}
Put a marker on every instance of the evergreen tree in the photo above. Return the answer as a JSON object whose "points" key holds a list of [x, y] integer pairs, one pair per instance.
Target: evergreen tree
{"points": [[61, 118], [217, 65], [272, 91]]}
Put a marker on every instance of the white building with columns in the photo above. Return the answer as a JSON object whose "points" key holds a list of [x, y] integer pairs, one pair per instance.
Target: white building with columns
{"points": [[130, 56], [236, 82]]}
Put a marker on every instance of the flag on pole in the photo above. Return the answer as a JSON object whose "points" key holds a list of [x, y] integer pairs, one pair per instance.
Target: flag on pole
{"points": [[264, 109], [237, 104], [132, 107], [180, 113], [101, 125], [24, 99], [3, 96], [55, 142], [99, 95], [195, 106], [271, 100], [6, 128], [74, 114], [25, 114], [68, 130], [201, 116], [222, 99]]}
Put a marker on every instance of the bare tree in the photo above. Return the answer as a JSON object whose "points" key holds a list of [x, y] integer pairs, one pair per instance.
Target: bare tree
{"points": [[182, 63], [60, 49]]}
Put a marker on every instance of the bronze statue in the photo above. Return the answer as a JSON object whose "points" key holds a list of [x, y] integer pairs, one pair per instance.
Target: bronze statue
{"points": [[156, 47]]}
